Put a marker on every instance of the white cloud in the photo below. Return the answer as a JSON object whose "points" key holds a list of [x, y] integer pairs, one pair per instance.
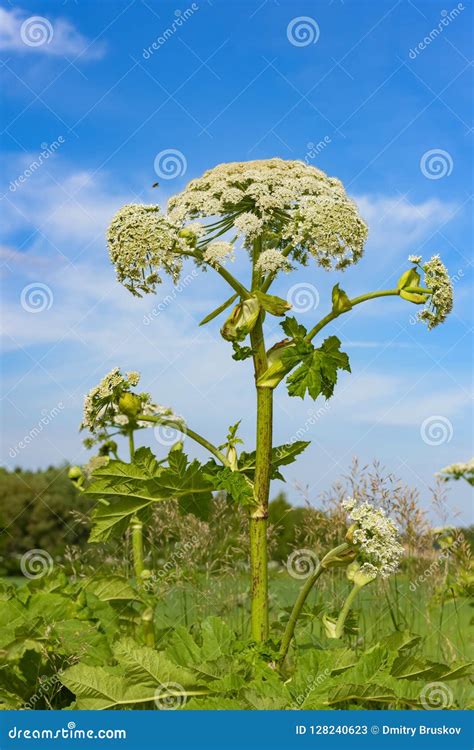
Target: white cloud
{"points": [[20, 32], [396, 223]]}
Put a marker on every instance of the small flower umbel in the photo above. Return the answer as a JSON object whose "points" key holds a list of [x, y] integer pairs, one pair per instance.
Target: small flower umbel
{"points": [[374, 538], [112, 405]]}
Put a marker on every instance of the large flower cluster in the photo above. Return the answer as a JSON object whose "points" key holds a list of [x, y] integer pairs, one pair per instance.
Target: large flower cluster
{"points": [[288, 203], [112, 404], [142, 241], [441, 299], [376, 538]]}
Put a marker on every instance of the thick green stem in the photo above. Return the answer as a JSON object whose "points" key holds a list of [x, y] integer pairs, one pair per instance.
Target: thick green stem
{"points": [[336, 555], [259, 515], [345, 610], [185, 430]]}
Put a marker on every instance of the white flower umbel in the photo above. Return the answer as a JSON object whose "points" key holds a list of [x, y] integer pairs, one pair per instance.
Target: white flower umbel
{"points": [[288, 203], [143, 242], [440, 302], [272, 261], [376, 538], [217, 253]]}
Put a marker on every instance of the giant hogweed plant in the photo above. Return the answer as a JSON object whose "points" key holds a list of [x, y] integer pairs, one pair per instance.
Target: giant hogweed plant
{"points": [[281, 214]]}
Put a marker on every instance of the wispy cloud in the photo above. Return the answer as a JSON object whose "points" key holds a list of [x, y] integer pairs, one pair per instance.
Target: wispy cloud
{"points": [[397, 223], [33, 34]]}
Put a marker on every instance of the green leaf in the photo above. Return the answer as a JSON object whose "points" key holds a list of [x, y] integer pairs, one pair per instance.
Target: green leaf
{"points": [[282, 455], [293, 329], [126, 488], [112, 588], [218, 310], [271, 304], [317, 373], [235, 483], [371, 693], [340, 301], [241, 352]]}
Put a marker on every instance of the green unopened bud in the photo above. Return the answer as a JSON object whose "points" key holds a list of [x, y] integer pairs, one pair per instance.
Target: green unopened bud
{"points": [[330, 626], [130, 404], [359, 576], [277, 367], [189, 236], [232, 458], [146, 574], [75, 473], [242, 320], [178, 446], [338, 557]]}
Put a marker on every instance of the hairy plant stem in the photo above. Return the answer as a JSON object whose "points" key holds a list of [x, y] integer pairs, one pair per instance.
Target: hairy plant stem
{"points": [[185, 430], [259, 515], [136, 527], [303, 595]]}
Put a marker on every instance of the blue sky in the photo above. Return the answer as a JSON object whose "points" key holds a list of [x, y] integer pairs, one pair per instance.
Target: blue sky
{"points": [[228, 81]]}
